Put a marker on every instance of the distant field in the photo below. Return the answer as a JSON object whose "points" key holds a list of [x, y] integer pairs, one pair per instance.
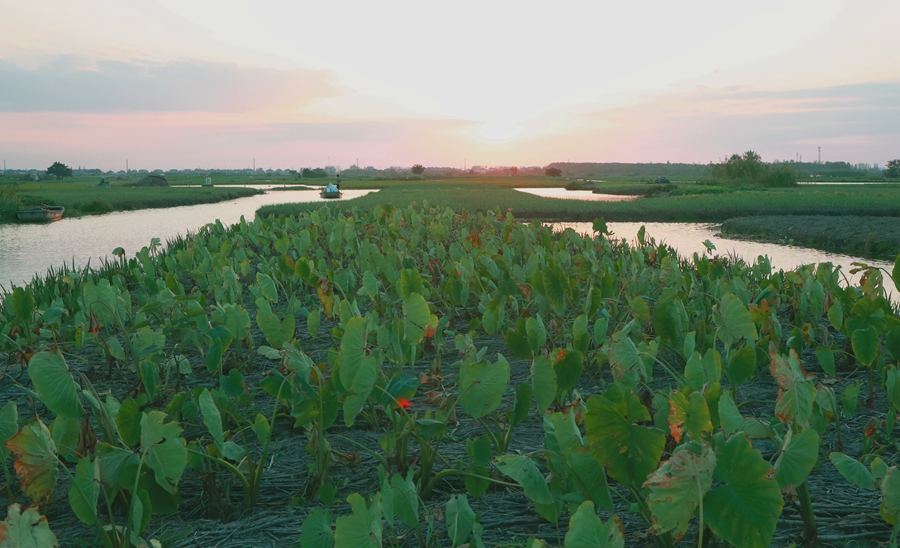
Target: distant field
{"points": [[707, 207], [86, 200]]}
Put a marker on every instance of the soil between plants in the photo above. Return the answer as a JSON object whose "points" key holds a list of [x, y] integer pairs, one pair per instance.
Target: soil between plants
{"points": [[843, 512]]}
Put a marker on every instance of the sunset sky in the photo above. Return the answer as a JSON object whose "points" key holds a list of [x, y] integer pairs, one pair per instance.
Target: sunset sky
{"points": [[219, 83]]}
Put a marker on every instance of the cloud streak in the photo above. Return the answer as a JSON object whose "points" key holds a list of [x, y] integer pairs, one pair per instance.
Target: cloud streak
{"points": [[71, 84]]}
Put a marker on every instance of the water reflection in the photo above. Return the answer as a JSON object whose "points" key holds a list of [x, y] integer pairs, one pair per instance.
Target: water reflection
{"points": [[29, 249], [585, 195], [688, 238]]}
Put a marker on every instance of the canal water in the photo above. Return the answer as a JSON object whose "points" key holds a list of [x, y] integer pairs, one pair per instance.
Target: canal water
{"points": [[30, 249]]}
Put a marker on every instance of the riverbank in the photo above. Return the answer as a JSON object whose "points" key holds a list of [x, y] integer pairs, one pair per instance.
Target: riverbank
{"points": [[868, 236], [80, 201]]}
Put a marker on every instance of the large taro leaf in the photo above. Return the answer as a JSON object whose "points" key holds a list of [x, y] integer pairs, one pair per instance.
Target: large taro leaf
{"points": [[733, 320], [54, 384], [853, 471], [526, 474], [353, 350], [362, 528], [865, 345], [460, 519], [277, 332], [481, 385], [677, 487], [625, 361], [316, 530], [28, 529], [742, 365], [586, 530], [744, 509], [569, 365], [797, 458], [85, 490], [796, 391], [631, 450], [23, 306], [543, 383], [890, 493], [691, 415], [163, 450], [36, 462], [405, 500]]}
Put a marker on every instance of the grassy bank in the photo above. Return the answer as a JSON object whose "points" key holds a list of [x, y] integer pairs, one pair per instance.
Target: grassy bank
{"points": [[83, 200], [876, 237], [707, 207]]}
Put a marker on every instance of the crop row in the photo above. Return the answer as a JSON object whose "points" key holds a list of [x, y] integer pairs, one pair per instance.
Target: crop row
{"points": [[393, 291]]}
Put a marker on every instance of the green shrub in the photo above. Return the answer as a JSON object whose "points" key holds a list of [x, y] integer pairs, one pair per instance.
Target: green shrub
{"points": [[96, 206]]}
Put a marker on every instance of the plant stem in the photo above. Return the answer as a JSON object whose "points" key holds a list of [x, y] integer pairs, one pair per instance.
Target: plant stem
{"points": [[700, 536], [810, 533]]}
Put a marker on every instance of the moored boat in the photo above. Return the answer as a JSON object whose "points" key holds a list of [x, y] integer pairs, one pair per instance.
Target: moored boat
{"points": [[331, 192], [40, 214]]}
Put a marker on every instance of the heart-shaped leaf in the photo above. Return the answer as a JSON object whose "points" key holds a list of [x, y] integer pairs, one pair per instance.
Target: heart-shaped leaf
{"points": [[586, 530], [54, 384], [677, 487], [797, 458], [35, 462], [481, 385]]}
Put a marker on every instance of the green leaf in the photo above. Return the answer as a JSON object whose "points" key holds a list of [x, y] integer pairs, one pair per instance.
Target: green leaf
{"points": [[28, 529], [625, 361], [742, 365], [36, 461], [212, 418], [825, 354], [415, 307], [543, 383], [536, 334], [54, 384], [890, 493], [586, 530], [853, 471], [744, 509], [154, 430], [85, 490], [405, 499], [167, 460], [128, 422], [353, 349], [526, 474], [677, 487], [796, 393], [481, 386], [313, 320], [730, 415], [691, 415], [23, 306], [316, 530], [599, 225], [568, 366], [267, 288], [460, 518], [410, 282], [361, 529], [9, 425], [798, 456], [522, 404], [836, 315], [518, 344], [693, 371], [865, 345], [631, 450], [733, 320]]}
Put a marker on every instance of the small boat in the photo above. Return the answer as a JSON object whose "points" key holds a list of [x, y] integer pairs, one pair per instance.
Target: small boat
{"points": [[331, 193], [40, 214]]}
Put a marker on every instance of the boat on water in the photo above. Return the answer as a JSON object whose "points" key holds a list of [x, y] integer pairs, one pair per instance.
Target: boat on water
{"points": [[331, 192], [40, 213]]}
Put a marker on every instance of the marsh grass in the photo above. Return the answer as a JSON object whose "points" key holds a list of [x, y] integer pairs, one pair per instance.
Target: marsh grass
{"points": [[874, 237], [717, 206]]}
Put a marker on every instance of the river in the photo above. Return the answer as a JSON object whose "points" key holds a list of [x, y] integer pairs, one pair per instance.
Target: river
{"points": [[30, 249]]}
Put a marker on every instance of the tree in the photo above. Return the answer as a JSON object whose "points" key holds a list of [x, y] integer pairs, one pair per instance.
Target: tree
{"points": [[893, 169], [514, 171], [59, 170], [418, 169], [553, 172]]}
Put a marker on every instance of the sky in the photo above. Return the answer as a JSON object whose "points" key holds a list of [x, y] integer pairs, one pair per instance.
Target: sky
{"points": [[175, 84]]}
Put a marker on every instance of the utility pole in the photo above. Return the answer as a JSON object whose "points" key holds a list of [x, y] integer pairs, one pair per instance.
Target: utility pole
{"points": [[254, 165], [126, 166], [820, 155]]}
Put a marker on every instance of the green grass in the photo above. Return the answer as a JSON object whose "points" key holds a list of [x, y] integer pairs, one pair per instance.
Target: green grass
{"points": [[86, 200], [875, 237], [717, 207]]}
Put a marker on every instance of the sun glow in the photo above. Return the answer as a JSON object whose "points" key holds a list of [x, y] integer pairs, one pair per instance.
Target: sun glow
{"points": [[497, 131]]}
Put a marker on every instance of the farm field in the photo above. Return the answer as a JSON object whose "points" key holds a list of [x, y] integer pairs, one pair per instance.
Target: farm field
{"points": [[418, 376]]}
